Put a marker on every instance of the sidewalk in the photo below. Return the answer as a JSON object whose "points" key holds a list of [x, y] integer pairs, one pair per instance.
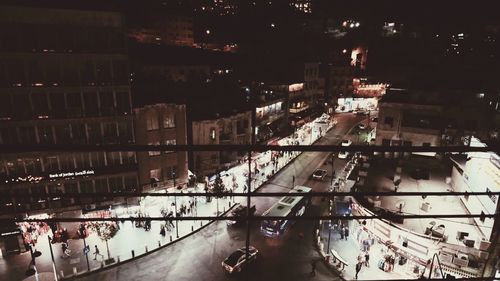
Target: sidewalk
{"points": [[131, 241]]}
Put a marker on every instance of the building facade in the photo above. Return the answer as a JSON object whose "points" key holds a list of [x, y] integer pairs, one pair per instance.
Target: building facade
{"points": [[233, 129], [64, 80], [163, 124], [422, 118]]}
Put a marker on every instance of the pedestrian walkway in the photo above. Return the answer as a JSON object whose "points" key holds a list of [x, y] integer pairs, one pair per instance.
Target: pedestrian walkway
{"points": [[131, 241]]}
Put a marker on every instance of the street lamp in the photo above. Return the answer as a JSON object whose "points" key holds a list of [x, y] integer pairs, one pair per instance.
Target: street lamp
{"points": [[32, 266], [175, 202]]}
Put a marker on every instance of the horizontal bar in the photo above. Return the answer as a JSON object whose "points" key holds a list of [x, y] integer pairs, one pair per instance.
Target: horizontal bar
{"points": [[254, 194], [20, 148], [252, 218]]}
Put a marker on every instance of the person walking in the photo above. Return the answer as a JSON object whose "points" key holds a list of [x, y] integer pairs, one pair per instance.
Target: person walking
{"points": [[342, 231], [358, 269], [97, 253], [346, 232], [367, 259], [65, 250]]}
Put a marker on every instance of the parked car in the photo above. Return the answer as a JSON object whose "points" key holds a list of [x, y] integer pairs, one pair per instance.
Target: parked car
{"points": [[236, 261], [239, 211], [319, 174], [374, 119], [361, 126], [346, 143]]}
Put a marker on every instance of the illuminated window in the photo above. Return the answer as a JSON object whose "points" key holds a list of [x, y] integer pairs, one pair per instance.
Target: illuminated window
{"points": [[152, 121], [169, 121], [154, 153], [169, 142], [212, 133]]}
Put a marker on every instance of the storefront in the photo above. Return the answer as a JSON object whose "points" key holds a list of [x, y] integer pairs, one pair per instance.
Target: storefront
{"points": [[352, 104]]}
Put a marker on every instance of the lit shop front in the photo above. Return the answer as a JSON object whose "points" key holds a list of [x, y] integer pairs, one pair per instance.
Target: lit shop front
{"points": [[351, 104], [411, 252]]}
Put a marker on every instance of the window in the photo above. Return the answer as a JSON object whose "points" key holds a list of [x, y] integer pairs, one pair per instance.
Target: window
{"points": [[110, 130], [58, 107], [22, 101], [107, 100], [5, 105], [389, 121], [62, 133], [172, 173], [103, 71], [386, 142], [120, 72], [123, 103], [74, 104], [154, 153], [212, 133], [78, 133], [152, 121], [115, 184], [82, 161], [45, 135], [169, 120], [156, 175], [170, 142], [101, 186], [94, 132], [97, 159], [86, 186], [87, 73], [67, 162], [27, 135], [426, 144], [8, 135], [113, 158], [128, 158], [33, 166], [40, 104], [130, 183], [51, 164], [125, 132], [90, 101], [71, 188]]}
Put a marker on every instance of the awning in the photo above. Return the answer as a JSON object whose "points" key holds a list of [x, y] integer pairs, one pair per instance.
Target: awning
{"points": [[338, 257]]}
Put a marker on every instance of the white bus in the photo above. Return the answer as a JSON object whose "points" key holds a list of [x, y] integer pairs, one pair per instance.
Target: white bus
{"points": [[285, 207]]}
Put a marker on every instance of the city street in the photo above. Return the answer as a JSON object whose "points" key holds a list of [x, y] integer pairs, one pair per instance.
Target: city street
{"points": [[287, 258]]}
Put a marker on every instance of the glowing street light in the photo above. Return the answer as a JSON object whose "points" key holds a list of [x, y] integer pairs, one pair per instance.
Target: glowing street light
{"points": [[357, 24], [207, 31], [344, 51]]}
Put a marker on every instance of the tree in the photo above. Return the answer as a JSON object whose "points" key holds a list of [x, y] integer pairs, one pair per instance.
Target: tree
{"points": [[219, 187], [218, 190]]}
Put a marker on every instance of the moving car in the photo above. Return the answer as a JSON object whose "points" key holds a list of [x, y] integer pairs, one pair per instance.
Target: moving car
{"points": [[346, 143], [236, 261], [343, 154], [362, 126], [319, 174], [239, 211]]}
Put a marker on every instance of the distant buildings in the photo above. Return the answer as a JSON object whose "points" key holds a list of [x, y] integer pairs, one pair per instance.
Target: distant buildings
{"points": [[161, 124], [171, 29]]}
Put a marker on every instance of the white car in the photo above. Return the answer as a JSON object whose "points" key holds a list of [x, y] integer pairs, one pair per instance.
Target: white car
{"points": [[319, 174], [362, 126], [236, 260], [346, 143], [343, 154]]}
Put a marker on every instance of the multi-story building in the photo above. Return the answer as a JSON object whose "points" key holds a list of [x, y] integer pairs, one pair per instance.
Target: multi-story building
{"points": [[161, 124], [63, 80], [314, 84], [423, 118], [231, 129], [271, 114]]}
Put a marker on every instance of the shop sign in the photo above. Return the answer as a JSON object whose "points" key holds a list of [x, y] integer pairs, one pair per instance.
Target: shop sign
{"points": [[72, 174]]}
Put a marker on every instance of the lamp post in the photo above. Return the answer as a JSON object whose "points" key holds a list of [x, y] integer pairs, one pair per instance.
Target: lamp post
{"points": [[52, 256], [33, 270], [175, 203]]}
